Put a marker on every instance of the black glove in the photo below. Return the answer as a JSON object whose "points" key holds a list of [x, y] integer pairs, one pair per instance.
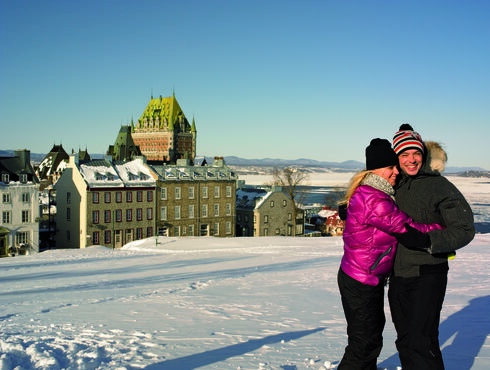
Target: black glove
{"points": [[413, 239], [342, 210]]}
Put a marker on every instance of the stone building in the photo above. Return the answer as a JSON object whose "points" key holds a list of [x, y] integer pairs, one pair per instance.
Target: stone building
{"points": [[163, 132], [266, 211], [19, 205], [104, 202], [195, 200]]}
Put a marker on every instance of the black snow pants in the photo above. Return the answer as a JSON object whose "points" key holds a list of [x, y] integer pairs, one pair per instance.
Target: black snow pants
{"points": [[415, 305], [364, 313]]}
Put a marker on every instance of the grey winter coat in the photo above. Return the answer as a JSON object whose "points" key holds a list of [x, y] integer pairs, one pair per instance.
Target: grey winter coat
{"points": [[430, 198]]}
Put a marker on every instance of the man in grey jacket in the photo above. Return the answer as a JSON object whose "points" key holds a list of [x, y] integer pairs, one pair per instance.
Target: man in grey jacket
{"points": [[418, 283]]}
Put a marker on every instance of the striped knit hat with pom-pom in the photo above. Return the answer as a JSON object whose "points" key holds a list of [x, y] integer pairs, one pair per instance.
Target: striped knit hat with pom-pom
{"points": [[407, 138]]}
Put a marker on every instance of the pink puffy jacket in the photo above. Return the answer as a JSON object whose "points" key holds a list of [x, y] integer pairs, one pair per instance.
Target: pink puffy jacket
{"points": [[369, 248]]}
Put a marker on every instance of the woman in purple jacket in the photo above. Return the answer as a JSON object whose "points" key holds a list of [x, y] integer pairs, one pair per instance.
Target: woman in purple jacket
{"points": [[369, 249]]}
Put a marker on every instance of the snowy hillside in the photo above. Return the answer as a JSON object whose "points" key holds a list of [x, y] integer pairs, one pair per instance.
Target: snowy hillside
{"points": [[210, 303]]}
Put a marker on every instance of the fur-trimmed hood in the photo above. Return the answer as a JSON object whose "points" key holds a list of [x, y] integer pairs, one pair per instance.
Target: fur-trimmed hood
{"points": [[436, 158]]}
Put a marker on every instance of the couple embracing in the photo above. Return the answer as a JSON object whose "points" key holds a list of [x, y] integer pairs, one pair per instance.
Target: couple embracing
{"points": [[403, 221]]}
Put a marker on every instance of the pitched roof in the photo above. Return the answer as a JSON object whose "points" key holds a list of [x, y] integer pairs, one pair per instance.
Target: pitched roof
{"points": [[17, 165], [165, 109], [51, 163], [104, 173]]}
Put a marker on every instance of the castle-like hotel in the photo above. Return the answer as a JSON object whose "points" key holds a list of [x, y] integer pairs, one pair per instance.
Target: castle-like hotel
{"points": [[162, 133]]}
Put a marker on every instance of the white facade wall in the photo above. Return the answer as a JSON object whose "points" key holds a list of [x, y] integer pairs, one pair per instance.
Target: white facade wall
{"points": [[21, 201]]}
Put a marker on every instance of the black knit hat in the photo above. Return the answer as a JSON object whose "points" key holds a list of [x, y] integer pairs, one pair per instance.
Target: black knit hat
{"points": [[380, 154]]}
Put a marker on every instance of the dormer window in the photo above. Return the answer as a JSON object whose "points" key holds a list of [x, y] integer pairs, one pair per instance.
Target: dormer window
{"points": [[110, 176], [23, 178], [5, 178], [98, 176]]}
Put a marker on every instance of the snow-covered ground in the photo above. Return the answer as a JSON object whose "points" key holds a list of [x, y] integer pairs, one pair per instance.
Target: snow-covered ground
{"points": [[211, 303]]}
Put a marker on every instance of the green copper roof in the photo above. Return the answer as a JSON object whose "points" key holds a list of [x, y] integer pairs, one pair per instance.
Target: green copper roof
{"points": [[165, 108]]}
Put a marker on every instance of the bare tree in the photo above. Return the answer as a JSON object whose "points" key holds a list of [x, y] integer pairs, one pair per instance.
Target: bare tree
{"points": [[333, 197], [291, 179]]}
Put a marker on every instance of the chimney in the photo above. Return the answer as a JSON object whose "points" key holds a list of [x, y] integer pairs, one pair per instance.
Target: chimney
{"points": [[24, 156]]}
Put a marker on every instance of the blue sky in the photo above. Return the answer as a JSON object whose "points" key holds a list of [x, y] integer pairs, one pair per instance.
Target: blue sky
{"points": [[278, 79]]}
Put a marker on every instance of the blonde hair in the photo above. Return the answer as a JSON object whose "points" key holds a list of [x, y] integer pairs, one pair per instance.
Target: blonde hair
{"points": [[354, 183]]}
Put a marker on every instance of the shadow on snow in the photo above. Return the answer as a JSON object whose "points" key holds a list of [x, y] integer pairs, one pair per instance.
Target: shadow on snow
{"points": [[468, 329], [221, 354]]}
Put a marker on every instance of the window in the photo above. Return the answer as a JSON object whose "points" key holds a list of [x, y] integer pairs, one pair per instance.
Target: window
{"points": [[95, 217], [228, 227], [107, 197], [216, 191], [6, 217], [139, 196], [204, 210], [5, 178], [191, 192], [68, 215], [205, 192], [129, 214], [118, 197], [228, 191], [163, 193], [118, 215], [149, 213], [68, 198], [266, 232], [25, 198], [178, 192], [284, 203], [266, 219], [26, 216], [299, 229], [272, 203], [216, 228], [6, 197], [149, 196], [216, 210], [290, 216], [129, 197], [177, 230], [278, 231], [95, 238], [139, 233], [139, 214], [107, 216], [177, 212], [163, 213], [190, 230], [228, 209], [107, 237], [95, 197], [191, 210], [149, 231], [23, 178]]}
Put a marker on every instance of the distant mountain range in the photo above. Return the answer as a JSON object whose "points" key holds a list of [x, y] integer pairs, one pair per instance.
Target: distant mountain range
{"points": [[276, 162], [342, 166]]}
